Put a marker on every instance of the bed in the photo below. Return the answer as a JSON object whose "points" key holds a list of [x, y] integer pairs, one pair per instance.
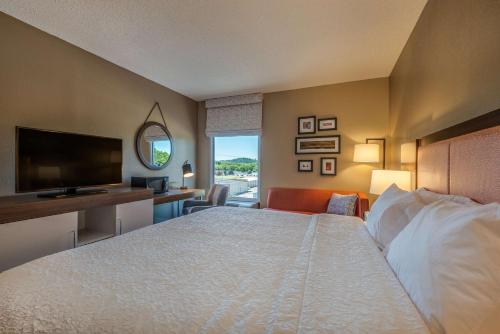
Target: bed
{"points": [[222, 270], [237, 270]]}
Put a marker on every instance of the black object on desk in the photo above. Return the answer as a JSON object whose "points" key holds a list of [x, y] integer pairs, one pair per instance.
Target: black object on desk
{"points": [[159, 184]]}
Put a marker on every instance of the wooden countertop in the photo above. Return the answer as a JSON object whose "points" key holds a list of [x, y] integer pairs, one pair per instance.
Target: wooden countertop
{"points": [[177, 194], [22, 207]]}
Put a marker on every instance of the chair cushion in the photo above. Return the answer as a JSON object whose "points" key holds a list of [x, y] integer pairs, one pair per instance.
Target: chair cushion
{"points": [[310, 200], [301, 212], [218, 194]]}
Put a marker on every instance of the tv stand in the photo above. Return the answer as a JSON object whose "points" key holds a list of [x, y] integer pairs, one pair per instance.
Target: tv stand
{"points": [[32, 227], [72, 192]]}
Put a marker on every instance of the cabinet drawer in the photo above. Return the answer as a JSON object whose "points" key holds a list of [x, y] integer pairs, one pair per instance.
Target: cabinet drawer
{"points": [[134, 215], [26, 240]]}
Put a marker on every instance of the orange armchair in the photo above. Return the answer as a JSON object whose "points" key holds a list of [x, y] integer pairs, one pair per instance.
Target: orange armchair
{"points": [[310, 201]]}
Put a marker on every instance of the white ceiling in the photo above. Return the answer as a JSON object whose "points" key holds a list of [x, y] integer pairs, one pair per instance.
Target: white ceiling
{"points": [[223, 47]]}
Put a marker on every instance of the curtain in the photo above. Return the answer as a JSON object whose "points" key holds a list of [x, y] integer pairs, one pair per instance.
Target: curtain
{"points": [[234, 115]]}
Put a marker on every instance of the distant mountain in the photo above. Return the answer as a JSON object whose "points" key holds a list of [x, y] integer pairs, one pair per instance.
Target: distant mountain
{"points": [[239, 160]]}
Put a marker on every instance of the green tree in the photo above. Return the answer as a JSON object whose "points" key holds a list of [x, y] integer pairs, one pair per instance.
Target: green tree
{"points": [[160, 157]]}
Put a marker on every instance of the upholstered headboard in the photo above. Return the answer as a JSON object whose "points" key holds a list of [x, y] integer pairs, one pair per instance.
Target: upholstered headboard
{"points": [[467, 165]]}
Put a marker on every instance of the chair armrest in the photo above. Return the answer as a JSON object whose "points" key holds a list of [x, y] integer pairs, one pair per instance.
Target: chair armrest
{"points": [[191, 202], [200, 208]]}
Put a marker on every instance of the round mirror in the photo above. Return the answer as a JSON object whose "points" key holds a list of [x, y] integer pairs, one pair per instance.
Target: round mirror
{"points": [[154, 145]]}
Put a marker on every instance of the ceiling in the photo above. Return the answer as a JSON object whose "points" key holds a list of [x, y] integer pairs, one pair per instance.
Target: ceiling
{"points": [[215, 48]]}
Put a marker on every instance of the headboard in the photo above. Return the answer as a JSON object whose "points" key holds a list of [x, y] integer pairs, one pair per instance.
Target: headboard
{"points": [[463, 160]]}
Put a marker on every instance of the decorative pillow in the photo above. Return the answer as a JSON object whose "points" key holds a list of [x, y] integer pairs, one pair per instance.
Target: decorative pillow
{"points": [[447, 260], [342, 204], [429, 197], [390, 213]]}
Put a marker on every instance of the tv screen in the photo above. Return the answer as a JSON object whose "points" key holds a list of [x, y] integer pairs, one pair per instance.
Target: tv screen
{"points": [[48, 160]]}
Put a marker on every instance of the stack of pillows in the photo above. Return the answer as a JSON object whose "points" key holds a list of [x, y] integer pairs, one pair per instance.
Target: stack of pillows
{"points": [[445, 250]]}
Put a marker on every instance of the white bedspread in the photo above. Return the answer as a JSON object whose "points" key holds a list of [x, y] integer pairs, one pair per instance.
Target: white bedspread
{"points": [[224, 270]]}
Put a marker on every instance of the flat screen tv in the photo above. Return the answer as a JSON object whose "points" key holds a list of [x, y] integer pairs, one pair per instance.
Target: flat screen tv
{"points": [[50, 160]]}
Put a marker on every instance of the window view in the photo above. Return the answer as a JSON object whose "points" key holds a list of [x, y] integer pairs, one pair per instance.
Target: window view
{"points": [[236, 165], [161, 151]]}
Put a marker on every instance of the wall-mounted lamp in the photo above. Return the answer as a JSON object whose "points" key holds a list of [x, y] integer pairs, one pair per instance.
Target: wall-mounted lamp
{"points": [[187, 171], [370, 151], [409, 153], [383, 178]]}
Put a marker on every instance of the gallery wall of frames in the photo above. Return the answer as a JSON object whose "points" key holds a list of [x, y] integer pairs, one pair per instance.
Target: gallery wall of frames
{"points": [[316, 137]]}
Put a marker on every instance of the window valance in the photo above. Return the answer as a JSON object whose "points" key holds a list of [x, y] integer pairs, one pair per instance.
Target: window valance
{"points": [[234, 115]]}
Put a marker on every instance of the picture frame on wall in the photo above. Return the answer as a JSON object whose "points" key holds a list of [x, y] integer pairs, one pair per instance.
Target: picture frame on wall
{"points": [[329, 166], [327, 124], [317, 145], [306, 125], [305, 166]]}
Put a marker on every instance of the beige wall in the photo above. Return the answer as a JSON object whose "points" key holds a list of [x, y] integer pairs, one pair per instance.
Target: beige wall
{"points": [[448, 72], [47, 83], [203, 151], [362, 110]]}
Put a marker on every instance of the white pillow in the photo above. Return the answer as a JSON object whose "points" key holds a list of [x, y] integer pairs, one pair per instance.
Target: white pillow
{"points": [[448, 260], [390, 213], [429, 197]]}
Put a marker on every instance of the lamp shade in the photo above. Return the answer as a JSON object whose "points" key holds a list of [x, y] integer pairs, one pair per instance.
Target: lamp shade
{"points": [[187, 171], [366, 153], [383, 178], [408, 153]]}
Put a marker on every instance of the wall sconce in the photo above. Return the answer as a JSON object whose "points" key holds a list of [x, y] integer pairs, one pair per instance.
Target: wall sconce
{"points": [[409, 153], [383, 178], [366, 153], [370, 152]]}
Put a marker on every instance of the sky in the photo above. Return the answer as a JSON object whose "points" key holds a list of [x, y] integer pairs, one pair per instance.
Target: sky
{"points": [[227, 148], [163, 145]]}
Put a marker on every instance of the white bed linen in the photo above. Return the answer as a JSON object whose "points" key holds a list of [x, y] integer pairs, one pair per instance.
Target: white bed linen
{"points": [[221, 270]]}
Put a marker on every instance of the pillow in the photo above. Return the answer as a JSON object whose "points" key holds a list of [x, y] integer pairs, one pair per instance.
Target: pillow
{"points": [[448, 261], [390, 213], [429, 197], [342, 204]]}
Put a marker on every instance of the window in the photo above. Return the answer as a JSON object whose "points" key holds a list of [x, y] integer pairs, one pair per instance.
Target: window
{"points": [[236, 164]]}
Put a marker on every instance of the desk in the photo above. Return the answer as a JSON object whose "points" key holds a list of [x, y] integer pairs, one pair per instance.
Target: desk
{"points": [[176, 195], [24, 207]]}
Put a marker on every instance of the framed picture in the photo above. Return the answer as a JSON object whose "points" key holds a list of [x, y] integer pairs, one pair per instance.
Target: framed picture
{"points": [[325, 124], [305, 166], [329, 166], [307, 125], [317, 145]]}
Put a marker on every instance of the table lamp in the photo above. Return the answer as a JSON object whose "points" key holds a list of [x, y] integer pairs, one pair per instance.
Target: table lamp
{"points": [[187, 171]]}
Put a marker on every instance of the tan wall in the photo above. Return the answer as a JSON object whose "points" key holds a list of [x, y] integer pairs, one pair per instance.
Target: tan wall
{"points": [[48, 83], [448, 72], [204, 151], [362, 110]]}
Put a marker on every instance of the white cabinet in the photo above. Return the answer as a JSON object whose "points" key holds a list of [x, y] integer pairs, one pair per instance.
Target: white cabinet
{"points": [[27, 240], [134, 215]]}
